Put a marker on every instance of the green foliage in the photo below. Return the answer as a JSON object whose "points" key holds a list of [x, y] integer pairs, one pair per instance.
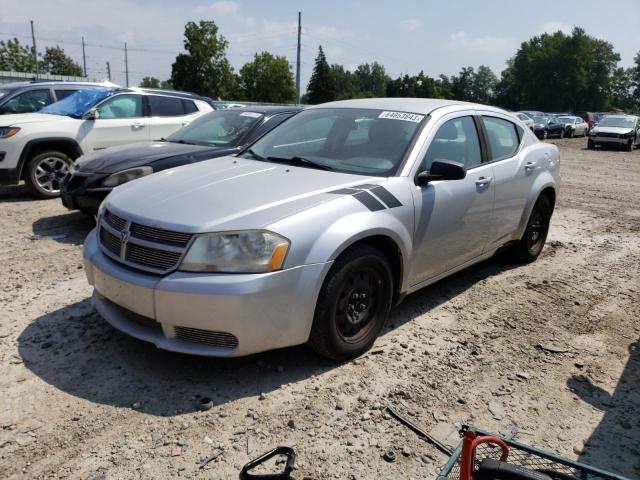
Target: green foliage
{"points": [[204, 69], [267, 79], [167, 85], [56, 62], [17, 57], [149, 82], [420, 86], [371, 80], [321, 85]]}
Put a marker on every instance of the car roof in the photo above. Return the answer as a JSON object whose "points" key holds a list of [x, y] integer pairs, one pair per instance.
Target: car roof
{"points": [[161, 91], [415, 105], [54, 83], [619, 115]]}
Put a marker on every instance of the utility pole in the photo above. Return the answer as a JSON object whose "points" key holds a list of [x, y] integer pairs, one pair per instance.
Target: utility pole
{"points": [[84, 59], [126, 65], [35, 52], [298, 59], [109, 71]]}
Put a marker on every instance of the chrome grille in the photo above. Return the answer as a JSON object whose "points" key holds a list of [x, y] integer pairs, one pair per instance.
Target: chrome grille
{"points": [[139, 246], [207, 337]]}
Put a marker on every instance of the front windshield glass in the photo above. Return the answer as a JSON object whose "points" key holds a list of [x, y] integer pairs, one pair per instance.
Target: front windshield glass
{"points": [[619, 122], [566, 119], [218, 128], [352, 140], [78, 103], [539, 119]]}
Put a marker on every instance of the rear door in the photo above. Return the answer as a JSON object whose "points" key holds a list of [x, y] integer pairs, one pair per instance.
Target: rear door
{"points": [[120, 120], [452, 217], [169, 114], [514, 172]]}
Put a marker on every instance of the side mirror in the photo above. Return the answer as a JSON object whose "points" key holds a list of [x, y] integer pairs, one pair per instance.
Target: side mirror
{"points": [[92, 114], [442, 170]]}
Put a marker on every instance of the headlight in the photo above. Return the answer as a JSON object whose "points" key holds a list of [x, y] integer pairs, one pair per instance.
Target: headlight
{"points": [[248, 251], [8, 132], [592, 133], [126, 176]]}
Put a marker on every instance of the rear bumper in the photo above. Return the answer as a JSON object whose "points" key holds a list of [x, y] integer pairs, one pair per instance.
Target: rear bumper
{"points": [[223, 315]]}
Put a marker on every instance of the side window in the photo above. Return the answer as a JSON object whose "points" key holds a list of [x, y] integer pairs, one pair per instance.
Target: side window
{"points": [[27, 102], [503, 137], [269, 125], [165, 106], [121, 106], [60, 94], [189, 107], [455, 140]]}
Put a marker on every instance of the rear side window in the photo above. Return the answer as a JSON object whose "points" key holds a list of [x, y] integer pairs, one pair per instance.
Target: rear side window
{"points": [[503, 137], [27, 102], [189, 107], [455, 140], [166, 106], [60, 94]]}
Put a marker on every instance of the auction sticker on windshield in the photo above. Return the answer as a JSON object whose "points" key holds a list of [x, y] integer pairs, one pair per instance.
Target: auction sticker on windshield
{"points": [[250, 114], [409, 117]]}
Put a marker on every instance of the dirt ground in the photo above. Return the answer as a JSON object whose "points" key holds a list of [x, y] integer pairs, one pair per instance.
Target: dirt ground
{"points": [[81, 400]]}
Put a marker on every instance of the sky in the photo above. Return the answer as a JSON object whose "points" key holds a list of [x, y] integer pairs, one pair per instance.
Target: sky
{"points": [[406, 36]]}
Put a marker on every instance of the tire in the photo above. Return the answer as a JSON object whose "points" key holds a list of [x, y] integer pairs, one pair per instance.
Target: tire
{"points": [[532, 242], [570, 134], [545, 135], [45, 172], [345, 323], [590, 144], [561, 135], [629, 146]]}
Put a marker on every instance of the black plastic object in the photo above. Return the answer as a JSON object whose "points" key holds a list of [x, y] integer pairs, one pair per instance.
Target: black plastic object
{"points": [[491, 469], [284, 475]]}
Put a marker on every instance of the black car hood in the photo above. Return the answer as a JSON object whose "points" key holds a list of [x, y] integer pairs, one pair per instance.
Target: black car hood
{"points": [[123, 157]]}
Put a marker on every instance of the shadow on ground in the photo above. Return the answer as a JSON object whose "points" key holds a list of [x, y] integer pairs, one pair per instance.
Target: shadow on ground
{"points": [[76, 351], [71, 227], [16, 193], [615, 443]]}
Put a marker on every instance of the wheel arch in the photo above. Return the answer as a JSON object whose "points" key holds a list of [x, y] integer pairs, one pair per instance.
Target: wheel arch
{"points": [[546, 187], [68, 146]]}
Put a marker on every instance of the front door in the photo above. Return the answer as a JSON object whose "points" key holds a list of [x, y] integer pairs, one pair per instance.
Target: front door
{"points": [[453, 217], [120, 120]]}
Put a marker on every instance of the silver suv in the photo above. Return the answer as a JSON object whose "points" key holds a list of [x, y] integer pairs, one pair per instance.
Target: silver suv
{"points": [[316, 230]]}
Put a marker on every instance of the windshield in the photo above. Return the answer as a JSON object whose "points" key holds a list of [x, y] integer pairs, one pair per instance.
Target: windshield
{"points": [[359, 141], [566, 119], [4, 91], [76, 104], [539, 119], [620, 122], [219, 128]]}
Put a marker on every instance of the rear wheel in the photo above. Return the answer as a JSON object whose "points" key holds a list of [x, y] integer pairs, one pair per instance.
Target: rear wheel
{"points": [[570, 134], [353, 304], [535, 235], [45, 172], [561, 134]]}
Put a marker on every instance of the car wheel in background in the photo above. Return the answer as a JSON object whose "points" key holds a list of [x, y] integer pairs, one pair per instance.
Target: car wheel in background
{"points": [[353, 304], [629, 146], [590, 144], [535, 235], [545, 135], [561, 136], [45, 172], [570, 133]]}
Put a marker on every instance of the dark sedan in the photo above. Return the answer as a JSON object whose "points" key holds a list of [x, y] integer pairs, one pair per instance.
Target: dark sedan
{"points": [[547, 126], [219, 133]]}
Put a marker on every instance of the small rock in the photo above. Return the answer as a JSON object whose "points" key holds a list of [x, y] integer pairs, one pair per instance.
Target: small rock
{"points": [[523, 375], [208, 440], [291, 423], [496, 410], [578, 449], [176, 451], [136, 405], [262, 396], [552, 348], [406, 451], [339, 404], [426, 459]]}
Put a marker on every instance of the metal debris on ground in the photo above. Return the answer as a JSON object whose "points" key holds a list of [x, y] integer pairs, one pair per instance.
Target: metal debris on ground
{"points": [[429, 438]]}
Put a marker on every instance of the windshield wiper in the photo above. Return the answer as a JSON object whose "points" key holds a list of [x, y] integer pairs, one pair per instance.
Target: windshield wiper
{"points": [[300, 162]]}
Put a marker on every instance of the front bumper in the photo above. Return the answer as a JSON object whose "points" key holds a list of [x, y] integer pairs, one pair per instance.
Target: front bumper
{"points": [[221, 315], [610, 140], [77, 193]]}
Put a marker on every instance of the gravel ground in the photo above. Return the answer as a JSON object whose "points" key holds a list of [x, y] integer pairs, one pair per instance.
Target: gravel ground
{"points": [[81, 400]]}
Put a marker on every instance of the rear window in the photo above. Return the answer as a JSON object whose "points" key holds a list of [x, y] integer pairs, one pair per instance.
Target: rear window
{"points": [[166, 106], [189, 107], [60, 94]]}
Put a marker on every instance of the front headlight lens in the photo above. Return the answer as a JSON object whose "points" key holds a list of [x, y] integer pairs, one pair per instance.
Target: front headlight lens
{"points": [[125, 176], [248, 251], [8, 132]]}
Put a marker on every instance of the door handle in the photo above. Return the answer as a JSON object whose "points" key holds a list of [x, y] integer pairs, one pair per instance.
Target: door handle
{"points": [[530, 166], [483, 181], [137, 126]]}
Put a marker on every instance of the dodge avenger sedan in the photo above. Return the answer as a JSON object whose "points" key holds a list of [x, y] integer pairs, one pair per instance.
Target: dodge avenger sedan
{"points": [[317, 229]]}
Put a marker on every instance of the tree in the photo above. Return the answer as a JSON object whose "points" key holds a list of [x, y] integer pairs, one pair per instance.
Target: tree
{"points": [[622, 90], [484, 85], [321, 87], [167, 85], [635, 82], [204, 69], [16, 57], [344, 82], [56, 62], [149, 82], [371, 80], [267, 79]]}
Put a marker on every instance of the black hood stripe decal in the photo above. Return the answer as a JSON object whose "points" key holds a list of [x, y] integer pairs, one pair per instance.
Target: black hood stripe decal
{"points": [[380, 200]]}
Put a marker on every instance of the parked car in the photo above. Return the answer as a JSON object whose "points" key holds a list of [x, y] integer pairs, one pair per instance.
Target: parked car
{"points": [[218, 133], [39, 147], [574, 126], [616, 130], [532, 113], [526, 119], [319, 227], [28, 97], [545, 126]]}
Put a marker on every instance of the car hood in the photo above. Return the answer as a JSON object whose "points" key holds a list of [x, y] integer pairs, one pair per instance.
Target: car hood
{"points": [[618, 130], [22, 118], [122, 157], [225, 194]]}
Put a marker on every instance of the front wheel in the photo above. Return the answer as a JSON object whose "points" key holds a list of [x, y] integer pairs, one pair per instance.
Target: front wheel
{"points": [[561, 134], [45, 172], [535, 235], [353, 304], [590, 144]]}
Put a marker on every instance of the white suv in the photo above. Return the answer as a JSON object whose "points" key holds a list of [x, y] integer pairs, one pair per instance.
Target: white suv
{"points": [[40, 147]]}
